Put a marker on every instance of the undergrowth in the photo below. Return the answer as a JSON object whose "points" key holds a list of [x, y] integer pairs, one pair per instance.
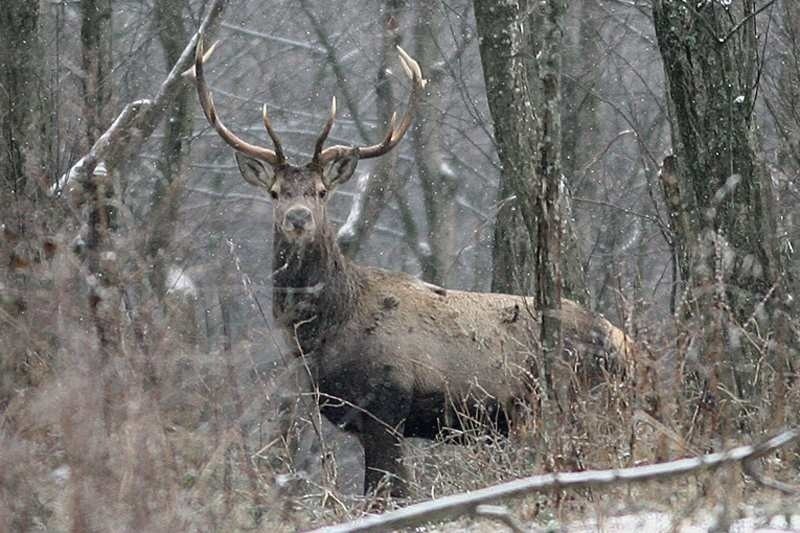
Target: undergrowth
{"points": [[177, 434]]}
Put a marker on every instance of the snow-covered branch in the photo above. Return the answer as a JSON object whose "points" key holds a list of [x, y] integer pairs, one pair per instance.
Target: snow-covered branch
{"points": [[135, 123]]}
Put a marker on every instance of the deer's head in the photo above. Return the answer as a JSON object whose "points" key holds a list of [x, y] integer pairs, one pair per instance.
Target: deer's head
{"points": [[300, 192]]}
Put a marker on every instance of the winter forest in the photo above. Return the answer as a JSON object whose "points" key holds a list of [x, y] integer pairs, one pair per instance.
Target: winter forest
{"points": [[527, 238]]}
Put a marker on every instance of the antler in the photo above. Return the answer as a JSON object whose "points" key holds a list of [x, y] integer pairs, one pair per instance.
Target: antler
{"points": [[275, 157], [393, 134]]}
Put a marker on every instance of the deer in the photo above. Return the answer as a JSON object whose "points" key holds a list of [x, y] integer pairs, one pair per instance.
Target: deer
{"points": [[391, 356]]}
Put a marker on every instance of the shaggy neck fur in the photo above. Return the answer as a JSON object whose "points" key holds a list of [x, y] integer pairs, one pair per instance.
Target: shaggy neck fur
{"points": [[315, 287]]}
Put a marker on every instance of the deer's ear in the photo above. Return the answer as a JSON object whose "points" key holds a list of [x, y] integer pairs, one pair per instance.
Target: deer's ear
{"points": [[340, 170], [254, 171]]}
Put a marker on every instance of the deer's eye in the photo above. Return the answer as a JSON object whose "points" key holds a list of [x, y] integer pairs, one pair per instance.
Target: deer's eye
{"points": [[322, 193], [273, 193]]}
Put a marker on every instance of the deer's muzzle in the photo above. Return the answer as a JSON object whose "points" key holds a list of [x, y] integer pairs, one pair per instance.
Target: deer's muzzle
{"points": [[298, 220]]}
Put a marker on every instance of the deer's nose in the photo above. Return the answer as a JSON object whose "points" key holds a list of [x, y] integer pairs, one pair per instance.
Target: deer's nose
{"points": [[298, 218]]}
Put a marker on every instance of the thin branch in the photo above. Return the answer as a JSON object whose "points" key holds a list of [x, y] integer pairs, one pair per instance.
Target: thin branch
{"points": [[316, 50], [625, 210], [454, 506], [784, 488], [723, 40]]}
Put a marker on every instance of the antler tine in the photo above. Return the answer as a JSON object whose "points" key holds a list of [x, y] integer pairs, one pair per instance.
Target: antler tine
{"points": [[324, 134], [190, 72], [393, 134], [207, 104], [272, 135]]}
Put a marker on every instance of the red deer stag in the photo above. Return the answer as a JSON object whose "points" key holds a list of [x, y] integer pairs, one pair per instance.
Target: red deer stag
{"points": [[390, 355]]}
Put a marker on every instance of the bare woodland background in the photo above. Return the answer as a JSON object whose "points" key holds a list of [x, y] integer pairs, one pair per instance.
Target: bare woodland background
{"points": [[138, 360]]}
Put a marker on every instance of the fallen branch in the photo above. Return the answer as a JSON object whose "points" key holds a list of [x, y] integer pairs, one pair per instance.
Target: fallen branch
{"points": [[457, 505]]}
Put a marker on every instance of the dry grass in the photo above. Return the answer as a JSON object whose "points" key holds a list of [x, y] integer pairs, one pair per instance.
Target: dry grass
{"points": [[177, 435]]}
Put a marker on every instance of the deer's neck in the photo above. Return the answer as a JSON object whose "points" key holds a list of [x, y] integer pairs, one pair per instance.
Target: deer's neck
{"points": [[315, 288]]}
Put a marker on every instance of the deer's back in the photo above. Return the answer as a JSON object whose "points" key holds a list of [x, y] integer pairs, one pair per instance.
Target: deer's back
{"points": [[435, 337]]}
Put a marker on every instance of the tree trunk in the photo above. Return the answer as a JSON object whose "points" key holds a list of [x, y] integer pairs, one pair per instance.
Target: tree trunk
{"points": [[22, 110], [374, 194], [529, 146], [102, 196], [505, 54], [580, 132], [24, 144], [438, 183], [168, 21], [718, 195], [548, 248]]}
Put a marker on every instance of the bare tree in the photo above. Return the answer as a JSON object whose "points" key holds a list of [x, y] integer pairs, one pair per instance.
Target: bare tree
{"points": [[548, 212], [173, 36], [26, 143], [580, 129], [97, 65], [718, 195], [375, 191]]}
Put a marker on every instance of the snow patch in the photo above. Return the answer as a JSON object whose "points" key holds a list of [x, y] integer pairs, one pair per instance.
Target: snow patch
{"points": [[179, 282], [61, 474], [347, 232]]}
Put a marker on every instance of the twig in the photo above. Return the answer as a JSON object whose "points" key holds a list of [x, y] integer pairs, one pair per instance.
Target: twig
{"points": [[333, 61], [631, 212], [316, 50], [457, 505]]}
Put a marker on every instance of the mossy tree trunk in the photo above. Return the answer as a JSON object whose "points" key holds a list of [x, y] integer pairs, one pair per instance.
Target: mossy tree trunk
{"points": [[718, 194]]}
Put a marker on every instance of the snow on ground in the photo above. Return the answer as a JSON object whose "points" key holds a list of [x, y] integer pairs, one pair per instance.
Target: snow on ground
{"points": [[755, 521]]}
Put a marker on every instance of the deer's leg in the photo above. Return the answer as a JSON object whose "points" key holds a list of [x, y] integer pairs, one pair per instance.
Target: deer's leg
{"points": [[382, 432], [382, 457]]}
